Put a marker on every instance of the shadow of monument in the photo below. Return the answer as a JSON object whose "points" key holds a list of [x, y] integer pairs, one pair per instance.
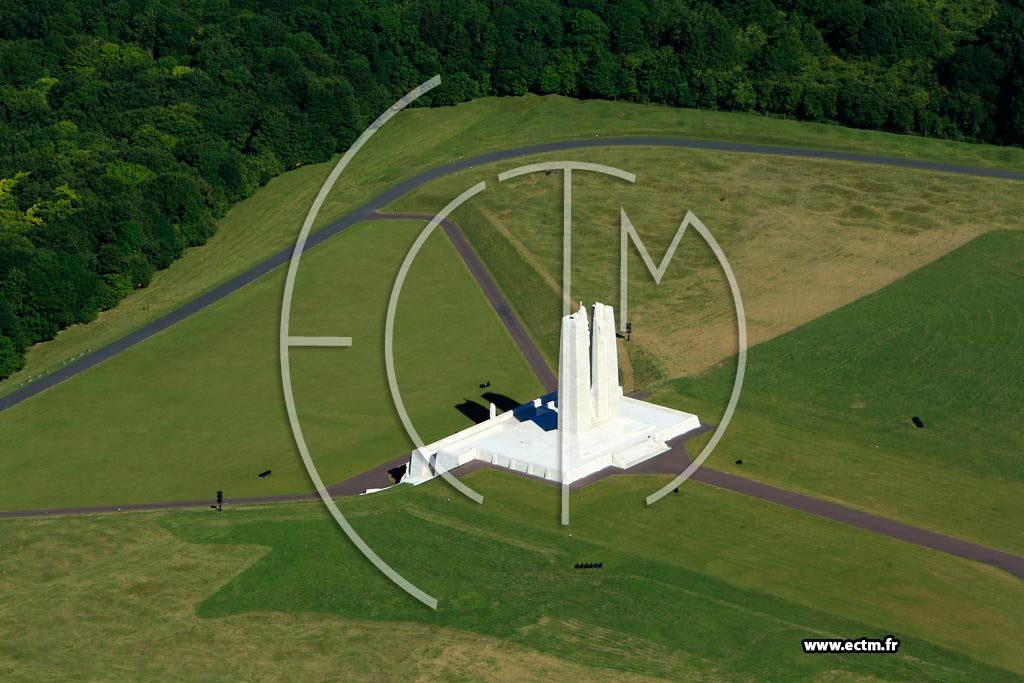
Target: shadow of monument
{"points": [[543, 417], [501, 401], [473, 410], [395, 474], [526, 412]]}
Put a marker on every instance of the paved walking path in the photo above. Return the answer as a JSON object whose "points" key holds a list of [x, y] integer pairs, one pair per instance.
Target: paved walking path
{"points": [[375, 477], [864, 520], [379, 202], [673, 461], [494, 296]]}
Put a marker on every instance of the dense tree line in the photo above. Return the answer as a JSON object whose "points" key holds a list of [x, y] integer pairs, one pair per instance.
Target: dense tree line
{"points": [[128, 126]]}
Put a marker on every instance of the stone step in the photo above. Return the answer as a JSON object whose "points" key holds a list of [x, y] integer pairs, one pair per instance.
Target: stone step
{"points": [[639, 452]]}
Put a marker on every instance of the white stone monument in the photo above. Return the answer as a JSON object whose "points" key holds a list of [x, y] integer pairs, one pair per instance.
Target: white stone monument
{"points": [[586, 426]]}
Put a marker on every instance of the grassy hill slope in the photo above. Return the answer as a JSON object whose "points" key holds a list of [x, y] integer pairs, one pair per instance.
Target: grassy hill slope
{"points": [[200, 408], [419, 139], [707, 586], [826, 408]]}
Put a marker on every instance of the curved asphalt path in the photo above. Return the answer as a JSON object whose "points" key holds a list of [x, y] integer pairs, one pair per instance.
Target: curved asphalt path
{"points": [[954, 546], [379, 202]]}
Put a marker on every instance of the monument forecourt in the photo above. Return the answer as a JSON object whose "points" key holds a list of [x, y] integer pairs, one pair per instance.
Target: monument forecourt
{"points": [[585, 426]]}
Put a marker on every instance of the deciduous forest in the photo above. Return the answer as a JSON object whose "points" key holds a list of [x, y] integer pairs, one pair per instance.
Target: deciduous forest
{"points": [[129, 126]]}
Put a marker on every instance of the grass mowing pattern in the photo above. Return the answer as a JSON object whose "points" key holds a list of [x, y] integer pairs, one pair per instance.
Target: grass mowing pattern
{"points": [[423, 138], [709, 584], [113, 598], [797, 254], [199, 407], [647, 369], [826, 408], [792, 229]]}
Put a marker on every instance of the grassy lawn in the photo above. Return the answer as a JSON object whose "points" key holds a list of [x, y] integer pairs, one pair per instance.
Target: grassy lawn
{"points": [[828, 415], [875, 294], [199, 408], [706, 586], [826, 408], [121, 607], [419, 139], [803, 237]]}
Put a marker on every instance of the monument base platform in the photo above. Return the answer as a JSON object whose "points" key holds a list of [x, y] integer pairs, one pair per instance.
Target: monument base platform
{"points": [[526, 440]]}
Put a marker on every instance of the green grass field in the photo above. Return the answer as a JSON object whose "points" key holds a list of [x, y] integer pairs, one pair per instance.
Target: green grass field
{"points": [[200, 407], [419, 139], [708, 586], [803, 237], [826, 408]]}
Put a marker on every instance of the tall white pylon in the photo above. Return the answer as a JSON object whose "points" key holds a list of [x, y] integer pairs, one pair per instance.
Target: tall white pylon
{"points": [[575, 411], [604, 365], [588, 371], [598, 427]]}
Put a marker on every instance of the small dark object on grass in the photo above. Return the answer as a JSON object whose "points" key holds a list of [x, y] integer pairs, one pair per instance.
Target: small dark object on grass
{"points": [[675, 490], [739, 462], [215, 507], [263, 475], [485, 384], [917, 422]]}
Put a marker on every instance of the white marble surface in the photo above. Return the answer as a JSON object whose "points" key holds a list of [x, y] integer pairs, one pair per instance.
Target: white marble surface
{"points": [[589, 426]]}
